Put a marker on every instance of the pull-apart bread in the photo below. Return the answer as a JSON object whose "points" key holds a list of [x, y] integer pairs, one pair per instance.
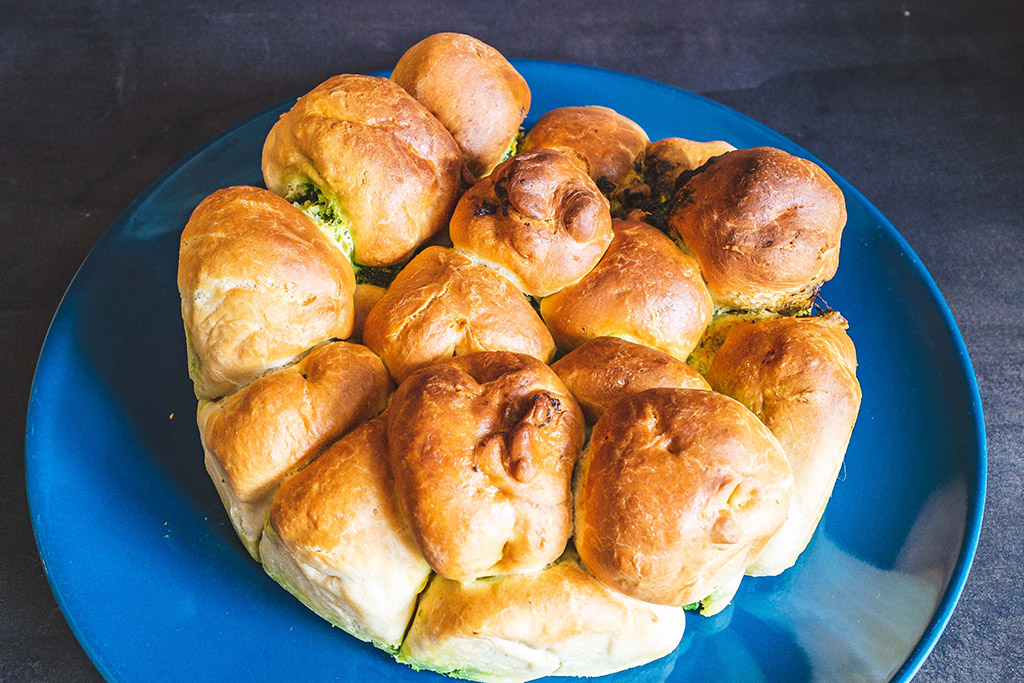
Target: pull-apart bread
{"points": [[798, 375], [538, 219], [259, 284], [338, 542], [257, 436], [376, 169], [483, 447], [592, 394], [443, 305], [473, 90]]}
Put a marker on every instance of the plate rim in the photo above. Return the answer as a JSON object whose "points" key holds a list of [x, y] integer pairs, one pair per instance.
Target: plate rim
{"points": [[976, 494]]}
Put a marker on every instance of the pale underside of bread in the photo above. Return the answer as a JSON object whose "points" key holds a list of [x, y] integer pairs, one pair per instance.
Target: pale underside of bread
{"points": [[247, 517], [363, 606]]}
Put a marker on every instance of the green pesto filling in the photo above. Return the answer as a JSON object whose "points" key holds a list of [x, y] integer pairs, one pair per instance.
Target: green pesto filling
{"points": [[312, 201], [379, 276], [514, 146]]}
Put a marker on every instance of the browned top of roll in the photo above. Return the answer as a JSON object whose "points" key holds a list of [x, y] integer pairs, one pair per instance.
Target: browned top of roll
{"points": [[612, 144], [482, 448], [607, 368], [538, 217], [666, 159], [380, 157], [472, 89], [764, 225], [798, 375], [266, 430], [441, 305], [644, 289], [259, 285], [679, 491]]}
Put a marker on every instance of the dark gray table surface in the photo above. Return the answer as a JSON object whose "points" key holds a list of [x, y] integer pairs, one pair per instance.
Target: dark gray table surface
{"points": [[919, 104]]}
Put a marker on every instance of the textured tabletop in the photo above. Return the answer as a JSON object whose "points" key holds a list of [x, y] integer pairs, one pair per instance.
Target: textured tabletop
{"points": [[919, 104]]}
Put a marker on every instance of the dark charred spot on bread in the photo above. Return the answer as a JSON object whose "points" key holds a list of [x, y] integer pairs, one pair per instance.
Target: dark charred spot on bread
{"points": [[485, 209], [605, 185]]}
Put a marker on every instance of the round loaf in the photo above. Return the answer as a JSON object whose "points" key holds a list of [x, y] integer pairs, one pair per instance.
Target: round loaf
{"points": [[472, 89], [678, 492], [367, 158], [260, 284], [443, 305], [798, 375], [263, 432], [765, 227], [560, 621], [538, 218], [644, 290], [483, 447], [612, 144], [605, 369]]}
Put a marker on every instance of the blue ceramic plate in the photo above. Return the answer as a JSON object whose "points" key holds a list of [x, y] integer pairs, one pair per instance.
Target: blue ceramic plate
{"points": [[149, 574]]}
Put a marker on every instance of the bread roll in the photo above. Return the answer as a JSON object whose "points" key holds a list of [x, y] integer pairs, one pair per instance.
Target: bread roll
{"points": [[259, 285], [472, 90], [260, 434], [366, 297], [765, 227], [483, 447], [337, 541], [443, 305], [798, 375], [612, 144], [678, 493], [644, 290], [378, 170], [538, 218], [607, 368], [559, 621]]}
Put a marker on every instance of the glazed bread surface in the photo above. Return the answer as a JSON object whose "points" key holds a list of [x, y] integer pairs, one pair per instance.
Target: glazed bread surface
{"points": [[677, 494], [612, 144], [337, 541], [644, 290], [765, 227], [483, 447], [798, 375], [538, 218], [361, 153], [560, 621], [257, 436], [260, 284], [472, 89], [443, 305], [605, 369]]}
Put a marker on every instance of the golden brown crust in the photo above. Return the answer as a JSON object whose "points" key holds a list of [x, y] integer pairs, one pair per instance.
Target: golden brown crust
{"points": [[612, 144], [679, 491], [259, 285], [282, 421], [387, 164], [472, 89], [442, 305], [559, 621], [607, 368], [538, 217], [339, 520], [482, 447], [764, 225], [644, 289], [798, 375], [366, 297], [666, 159]]}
